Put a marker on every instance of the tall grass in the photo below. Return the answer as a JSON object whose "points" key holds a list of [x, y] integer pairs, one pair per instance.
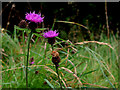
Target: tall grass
{"points": [[90, 65]]}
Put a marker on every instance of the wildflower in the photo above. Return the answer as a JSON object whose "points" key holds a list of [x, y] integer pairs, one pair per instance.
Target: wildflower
{"points": [[51, 36], [31, 61], [36, 72], [34, 17], [55, 58], [22, 24]]}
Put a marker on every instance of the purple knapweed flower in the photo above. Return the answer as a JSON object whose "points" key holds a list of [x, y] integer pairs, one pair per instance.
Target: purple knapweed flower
{"points": [[34, 17], [50, 34], [31, 63]]}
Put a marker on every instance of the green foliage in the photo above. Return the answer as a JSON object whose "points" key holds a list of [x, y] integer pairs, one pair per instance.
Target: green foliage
{"points": [[92, 64]]}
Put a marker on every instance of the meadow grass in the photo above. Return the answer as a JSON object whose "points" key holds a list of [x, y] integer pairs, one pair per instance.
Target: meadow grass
{"points": [[91, 64]]}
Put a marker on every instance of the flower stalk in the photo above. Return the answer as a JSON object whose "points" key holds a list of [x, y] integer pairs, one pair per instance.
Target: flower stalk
{"points": [[58, 76], [33, 19], [29, 38], [52, 47], [56, 60], [55, 55]]}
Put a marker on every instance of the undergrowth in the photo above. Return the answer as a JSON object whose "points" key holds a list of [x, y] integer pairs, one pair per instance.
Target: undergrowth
{"points": [[83, 64]]}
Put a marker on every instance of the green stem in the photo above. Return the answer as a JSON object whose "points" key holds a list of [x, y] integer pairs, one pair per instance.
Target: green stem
{"points": [[57, 69], [29, 38], [58, 76], [23, 36], [45, 50], [52, 47]]}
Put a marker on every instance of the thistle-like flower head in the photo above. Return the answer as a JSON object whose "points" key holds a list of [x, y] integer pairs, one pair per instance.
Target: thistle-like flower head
{"points": [[33, 17], [31, 61], [55, 58], [50, 34]]}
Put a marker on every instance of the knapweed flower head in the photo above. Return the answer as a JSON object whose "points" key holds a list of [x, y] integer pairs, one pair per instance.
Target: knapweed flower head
{"points": [[22, 24], [36, 72], [50, 34], [55, 58], [33, 17], [31, 61]]}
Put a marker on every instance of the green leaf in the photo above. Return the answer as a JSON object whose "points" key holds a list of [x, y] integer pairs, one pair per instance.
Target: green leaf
{"points": [[49, 83], [18, 28], [38, 35], [89, 72], [20, 55], [40, 29]]}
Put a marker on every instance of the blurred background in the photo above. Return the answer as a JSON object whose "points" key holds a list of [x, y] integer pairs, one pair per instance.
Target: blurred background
{"points": [[91, 15]]}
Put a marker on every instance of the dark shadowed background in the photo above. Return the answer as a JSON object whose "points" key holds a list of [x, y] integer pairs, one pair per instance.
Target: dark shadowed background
{"points": [[91, 15]]}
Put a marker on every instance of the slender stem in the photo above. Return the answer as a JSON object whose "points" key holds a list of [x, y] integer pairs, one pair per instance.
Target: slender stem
{"points": [[52, 47], [58, 76], [107, 19], [23, 36], [29, 38], [57, 70], [45, 50]]}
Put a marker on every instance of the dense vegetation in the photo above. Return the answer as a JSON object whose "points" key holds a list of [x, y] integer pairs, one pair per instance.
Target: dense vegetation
{"points": [[89, 55]]}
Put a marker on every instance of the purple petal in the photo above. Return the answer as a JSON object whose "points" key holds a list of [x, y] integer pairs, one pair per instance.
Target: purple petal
{"points": [[34, 17], [50, 34]]}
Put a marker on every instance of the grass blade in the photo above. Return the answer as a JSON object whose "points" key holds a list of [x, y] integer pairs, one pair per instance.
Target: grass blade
{"points": [[49, 83]]}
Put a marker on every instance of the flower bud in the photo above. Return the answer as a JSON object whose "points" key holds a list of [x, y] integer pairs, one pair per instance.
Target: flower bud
{"points": [[55, 58], [22, 24], [36, 72], [31, 61]]}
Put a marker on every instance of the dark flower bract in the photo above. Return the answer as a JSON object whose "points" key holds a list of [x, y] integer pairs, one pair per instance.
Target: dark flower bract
{"points": [[22, 24]]}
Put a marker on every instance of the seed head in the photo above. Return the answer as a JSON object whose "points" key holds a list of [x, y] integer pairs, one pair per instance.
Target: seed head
{"points": [[22, 24], [55, 58]]}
